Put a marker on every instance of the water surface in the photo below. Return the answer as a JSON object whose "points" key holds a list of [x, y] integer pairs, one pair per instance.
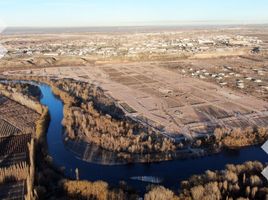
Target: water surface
{"points": [[172, 172]]}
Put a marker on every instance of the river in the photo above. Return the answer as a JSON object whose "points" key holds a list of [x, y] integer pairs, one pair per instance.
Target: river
{"points": [[172, 172]]}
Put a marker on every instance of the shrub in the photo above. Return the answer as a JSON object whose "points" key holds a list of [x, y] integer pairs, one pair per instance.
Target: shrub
{"points": [[160, 193]]}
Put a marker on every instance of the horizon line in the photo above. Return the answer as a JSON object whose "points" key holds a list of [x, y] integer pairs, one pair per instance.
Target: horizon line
{"points": [[153, 24], [146, 25]]}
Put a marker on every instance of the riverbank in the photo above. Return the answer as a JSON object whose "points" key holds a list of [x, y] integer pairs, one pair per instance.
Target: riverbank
{"points": [[45, 180], [150, 146], [90, 118], [178, 170]]}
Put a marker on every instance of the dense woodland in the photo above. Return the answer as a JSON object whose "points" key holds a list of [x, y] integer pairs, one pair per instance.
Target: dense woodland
{"points": [[95, 117], [235, 182], [91, 115], [241, 182], [238, 138], [26, 89]]}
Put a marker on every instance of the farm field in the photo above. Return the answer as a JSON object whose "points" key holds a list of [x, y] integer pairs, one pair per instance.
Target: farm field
{"points": [[153, 100], [177, 105], [17, 126]]}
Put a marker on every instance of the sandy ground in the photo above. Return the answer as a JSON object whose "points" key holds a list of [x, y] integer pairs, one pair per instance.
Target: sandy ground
{"points": [[170, 102]]}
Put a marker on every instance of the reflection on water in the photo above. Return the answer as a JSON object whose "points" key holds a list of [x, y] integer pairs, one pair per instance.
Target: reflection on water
{"points": [[232, 152]]}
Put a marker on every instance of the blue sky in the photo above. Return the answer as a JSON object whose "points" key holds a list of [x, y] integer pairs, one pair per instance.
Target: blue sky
{"points": [[130, 12]]}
